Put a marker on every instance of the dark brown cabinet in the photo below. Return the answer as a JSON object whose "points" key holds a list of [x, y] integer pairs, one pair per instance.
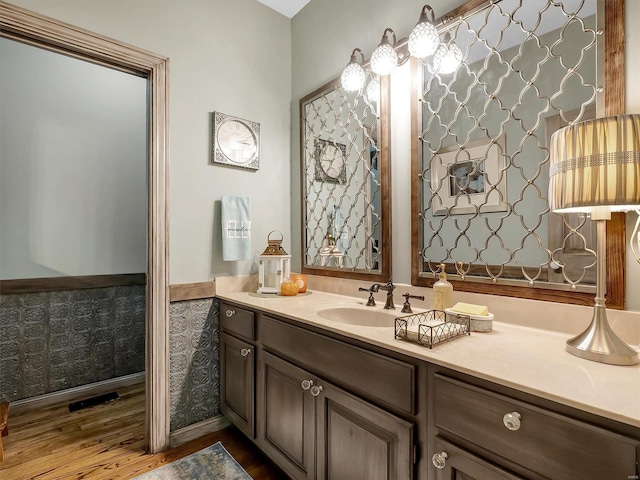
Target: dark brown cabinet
{"points": [[314, 429], [527, 439], [453, 463], [237, 386], [324, 406], [359, 441], [237, 367], [286, 416]]}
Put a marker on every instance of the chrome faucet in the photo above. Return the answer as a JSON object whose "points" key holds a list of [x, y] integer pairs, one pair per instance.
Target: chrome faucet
{"points": [[389, 288]]}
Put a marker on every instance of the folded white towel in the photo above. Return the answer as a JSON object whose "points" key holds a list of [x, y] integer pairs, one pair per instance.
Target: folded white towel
{"points": [[236, 227]]}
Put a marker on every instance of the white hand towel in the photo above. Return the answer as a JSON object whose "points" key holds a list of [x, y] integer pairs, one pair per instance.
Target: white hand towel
{"points": [[236, 227]]}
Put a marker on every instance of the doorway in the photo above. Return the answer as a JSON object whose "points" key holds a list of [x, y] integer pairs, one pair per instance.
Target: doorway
{"points": [[29, 28]]}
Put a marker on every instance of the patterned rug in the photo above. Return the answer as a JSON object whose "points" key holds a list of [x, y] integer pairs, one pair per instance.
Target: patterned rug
{"points": [[213, 462]]}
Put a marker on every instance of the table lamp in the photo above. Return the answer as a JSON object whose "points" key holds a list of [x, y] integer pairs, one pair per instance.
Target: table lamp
{"points": [[595, 168]]}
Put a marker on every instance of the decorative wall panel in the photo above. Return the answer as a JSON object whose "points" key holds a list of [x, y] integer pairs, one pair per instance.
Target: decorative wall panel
{"points": [[51, 341], [194, 380]]}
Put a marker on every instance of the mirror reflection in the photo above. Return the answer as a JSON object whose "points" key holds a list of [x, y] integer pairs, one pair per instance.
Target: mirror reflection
{"points": [[528, 68], [345, 180]]}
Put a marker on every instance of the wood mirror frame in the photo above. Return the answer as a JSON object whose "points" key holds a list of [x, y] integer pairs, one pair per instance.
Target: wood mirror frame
{"points": [[614, 97], [384, 273]]}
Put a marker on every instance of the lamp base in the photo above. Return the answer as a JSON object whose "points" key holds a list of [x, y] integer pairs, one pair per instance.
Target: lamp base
{"points": [[599, 343]]}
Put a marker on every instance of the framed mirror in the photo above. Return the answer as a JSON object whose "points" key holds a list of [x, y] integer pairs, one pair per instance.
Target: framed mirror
{"points": [[480, 155], [345, 177]]}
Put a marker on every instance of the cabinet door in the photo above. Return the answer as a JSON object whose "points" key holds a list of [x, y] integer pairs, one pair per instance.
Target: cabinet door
{"points": [[453, 463], [237, 367], [286, 413], [358, 441]]}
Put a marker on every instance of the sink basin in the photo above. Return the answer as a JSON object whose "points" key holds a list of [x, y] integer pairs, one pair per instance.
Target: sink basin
{"points": [[360, 316]]}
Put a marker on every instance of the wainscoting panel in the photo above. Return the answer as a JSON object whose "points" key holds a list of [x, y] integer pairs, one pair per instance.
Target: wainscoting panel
{"points": [[52, 341], [194, 378]]}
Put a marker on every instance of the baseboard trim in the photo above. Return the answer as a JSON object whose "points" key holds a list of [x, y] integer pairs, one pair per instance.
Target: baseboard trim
{"points": [[76, 393], [198, 430]]}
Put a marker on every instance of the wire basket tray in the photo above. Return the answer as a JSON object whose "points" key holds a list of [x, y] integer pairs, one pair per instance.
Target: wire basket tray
{"points": [[432, 327]]}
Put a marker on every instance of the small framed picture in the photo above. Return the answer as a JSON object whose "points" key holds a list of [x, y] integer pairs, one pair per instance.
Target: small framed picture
{"points": [[463, 179]]}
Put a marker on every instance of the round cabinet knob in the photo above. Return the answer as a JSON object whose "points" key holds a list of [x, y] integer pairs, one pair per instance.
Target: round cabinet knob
{"points": [[306, 384], [512, 421], [440, 460], [315, 390], [245, 351], [230, 313]]}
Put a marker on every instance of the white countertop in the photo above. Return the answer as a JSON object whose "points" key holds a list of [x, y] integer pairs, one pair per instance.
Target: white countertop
{"points": [[527, 359]]}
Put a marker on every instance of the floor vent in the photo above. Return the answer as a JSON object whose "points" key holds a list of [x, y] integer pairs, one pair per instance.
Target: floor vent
{"points": [[92, 402]]}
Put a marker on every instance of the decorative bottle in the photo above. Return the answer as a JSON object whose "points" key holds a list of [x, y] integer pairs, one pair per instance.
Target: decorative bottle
{"points": [[442, 291]]}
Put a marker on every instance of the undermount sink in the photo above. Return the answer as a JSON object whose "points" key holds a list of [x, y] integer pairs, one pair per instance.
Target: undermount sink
{"points": [[364, 317]]}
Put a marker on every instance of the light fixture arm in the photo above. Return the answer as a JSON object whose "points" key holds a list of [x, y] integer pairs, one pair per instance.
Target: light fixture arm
{"points": [[385, 39], [353, 56], [424, 15]]}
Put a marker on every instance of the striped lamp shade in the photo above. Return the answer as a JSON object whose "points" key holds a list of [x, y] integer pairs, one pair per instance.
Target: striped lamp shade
{"points": [[596, 163]]}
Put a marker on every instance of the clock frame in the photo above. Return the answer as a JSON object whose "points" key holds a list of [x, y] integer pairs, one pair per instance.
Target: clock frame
{"points": [[321, 146], [235, 141]]}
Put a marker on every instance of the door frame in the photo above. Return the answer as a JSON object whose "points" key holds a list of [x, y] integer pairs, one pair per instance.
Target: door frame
{"points": [[38, 30]]}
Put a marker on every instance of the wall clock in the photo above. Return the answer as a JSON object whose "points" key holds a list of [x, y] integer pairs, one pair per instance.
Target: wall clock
{"points": [[236, 142], [331, 158]]}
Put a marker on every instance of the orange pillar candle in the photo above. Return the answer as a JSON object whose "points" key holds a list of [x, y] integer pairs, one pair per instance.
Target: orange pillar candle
{"points": [[301, 280]]}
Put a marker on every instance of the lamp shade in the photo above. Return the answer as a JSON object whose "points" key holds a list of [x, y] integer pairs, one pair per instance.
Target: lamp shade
{"points": [[596, 163]]}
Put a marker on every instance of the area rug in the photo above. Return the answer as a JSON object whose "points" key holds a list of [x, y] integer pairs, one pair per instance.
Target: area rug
{"points": [[213, 462]]}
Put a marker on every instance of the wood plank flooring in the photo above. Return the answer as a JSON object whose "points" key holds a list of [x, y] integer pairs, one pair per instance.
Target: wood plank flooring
{"points": [[106, 442]]}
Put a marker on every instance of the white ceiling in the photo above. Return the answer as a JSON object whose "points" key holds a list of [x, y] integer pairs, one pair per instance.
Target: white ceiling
{"points": [[288, 8]]}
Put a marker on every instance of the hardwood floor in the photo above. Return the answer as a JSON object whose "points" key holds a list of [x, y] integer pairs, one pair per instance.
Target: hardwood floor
{"points": [[106, 442]]}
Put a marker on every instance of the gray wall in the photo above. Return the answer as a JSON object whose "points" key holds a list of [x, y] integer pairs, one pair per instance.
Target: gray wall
{"points": [[229, 56], [73, 149]]}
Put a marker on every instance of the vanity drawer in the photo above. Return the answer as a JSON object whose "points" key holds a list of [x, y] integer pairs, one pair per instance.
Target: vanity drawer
{"points": [[541, 441], [385, 380], [238, 321]]}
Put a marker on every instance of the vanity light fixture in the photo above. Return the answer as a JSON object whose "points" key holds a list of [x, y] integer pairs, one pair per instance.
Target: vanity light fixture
{"points": [[384, 58], [448, 56], [424, 38], [353, 75], [595, 168]]}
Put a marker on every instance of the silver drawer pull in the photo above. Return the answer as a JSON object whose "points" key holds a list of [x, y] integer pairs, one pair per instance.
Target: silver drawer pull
{"points": [[245, 351], [440, 460], [230, 313], [306, 384], [512, 421], [316, 389]]}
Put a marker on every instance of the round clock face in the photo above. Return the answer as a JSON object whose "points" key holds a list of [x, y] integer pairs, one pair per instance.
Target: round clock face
{"points": [[237, 142], [332, 161]]}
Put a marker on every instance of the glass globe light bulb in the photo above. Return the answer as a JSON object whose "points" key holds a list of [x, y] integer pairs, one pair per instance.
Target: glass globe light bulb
{"points": [[384, 59], [447, 58], [352, 77], [423, 40], [373, 89]]}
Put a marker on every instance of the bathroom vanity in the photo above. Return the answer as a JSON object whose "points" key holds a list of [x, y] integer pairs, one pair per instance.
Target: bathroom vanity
{"points": [[324, 398]]}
